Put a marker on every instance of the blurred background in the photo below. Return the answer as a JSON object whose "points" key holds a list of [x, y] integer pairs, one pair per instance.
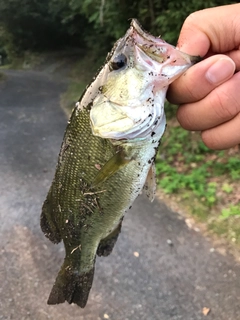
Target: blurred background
{"points": [[178, 263], [90, 25]]}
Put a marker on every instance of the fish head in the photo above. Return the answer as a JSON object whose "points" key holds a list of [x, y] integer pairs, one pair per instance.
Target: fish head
{"points": [[133, 85]]}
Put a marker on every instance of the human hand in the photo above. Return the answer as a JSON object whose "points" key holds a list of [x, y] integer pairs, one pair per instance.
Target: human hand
{"points": [[209, 92]]}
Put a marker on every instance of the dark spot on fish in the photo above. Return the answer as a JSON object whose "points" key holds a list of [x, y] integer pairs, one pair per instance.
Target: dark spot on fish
{"points": [[168, 57], [149, 161], [130, 207], [89, 106], [174, 61], [153, 133], [155, 123], [139, 163]]}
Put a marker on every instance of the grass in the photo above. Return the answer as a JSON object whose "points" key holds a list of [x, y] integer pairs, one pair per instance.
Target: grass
{"points": [[206, 182], [188, 169]]}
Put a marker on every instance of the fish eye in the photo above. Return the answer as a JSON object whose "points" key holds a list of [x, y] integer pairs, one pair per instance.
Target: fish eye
{"points": [[118, 62]]}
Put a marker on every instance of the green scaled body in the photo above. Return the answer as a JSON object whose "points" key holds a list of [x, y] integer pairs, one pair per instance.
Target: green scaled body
{"points": [[86, 217], [107, 156]]}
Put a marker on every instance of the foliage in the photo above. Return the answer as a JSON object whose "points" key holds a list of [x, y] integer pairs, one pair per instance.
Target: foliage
{"points": [[186, 164], [231, 211], [169, 15], [30, 25], [45, 24]]}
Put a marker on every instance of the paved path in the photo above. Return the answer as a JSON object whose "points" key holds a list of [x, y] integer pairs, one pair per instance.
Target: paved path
{"points": [[164, 282]]}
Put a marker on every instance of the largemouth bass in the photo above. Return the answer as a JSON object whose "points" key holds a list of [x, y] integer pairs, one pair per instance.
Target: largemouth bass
{"points": [[107, 156]]}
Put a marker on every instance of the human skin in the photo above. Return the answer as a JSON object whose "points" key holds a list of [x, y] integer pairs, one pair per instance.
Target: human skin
{"points": [[209, 92]]}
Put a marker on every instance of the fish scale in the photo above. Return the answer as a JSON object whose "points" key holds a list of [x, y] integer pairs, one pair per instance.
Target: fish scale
{"points": [[100, 172]]}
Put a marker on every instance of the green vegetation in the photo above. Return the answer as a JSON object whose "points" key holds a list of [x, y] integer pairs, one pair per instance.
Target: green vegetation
{"points": [[91, 24], [189, 164], [206, 181], [231, 211]]}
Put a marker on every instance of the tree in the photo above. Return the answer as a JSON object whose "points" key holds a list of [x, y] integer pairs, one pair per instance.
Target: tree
{"points": [[43, 24]]}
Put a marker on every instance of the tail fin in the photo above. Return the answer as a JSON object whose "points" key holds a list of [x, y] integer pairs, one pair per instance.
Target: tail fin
{"points": [[71, 286]]}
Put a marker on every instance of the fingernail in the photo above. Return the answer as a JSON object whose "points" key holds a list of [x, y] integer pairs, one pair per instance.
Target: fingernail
{"points": [[220, 71]]}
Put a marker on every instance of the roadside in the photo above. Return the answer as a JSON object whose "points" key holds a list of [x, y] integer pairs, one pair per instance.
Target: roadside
{"points": [[2, 76]]}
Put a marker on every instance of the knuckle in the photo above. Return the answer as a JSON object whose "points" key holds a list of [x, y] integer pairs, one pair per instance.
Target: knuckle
{"points": [[181, 91], [196, 17], [183, 118], [224, 106], [211, 140], [191, 19], [190, 92]]}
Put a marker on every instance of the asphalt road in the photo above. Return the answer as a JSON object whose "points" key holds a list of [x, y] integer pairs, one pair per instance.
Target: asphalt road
{"points": [[161, 282]]}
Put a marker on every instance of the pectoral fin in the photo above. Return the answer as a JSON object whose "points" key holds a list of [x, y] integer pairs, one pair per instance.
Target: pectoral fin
{"points": [[118, 161], [150, 184]]}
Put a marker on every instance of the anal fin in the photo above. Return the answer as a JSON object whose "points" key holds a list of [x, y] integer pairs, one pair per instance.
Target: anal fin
{"points": [[106, 245]]}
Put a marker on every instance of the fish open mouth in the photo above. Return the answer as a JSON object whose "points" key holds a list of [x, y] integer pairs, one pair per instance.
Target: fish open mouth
{"points": [[157, 49]]}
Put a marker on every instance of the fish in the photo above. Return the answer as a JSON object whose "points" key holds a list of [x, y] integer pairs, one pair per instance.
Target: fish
{"points": [[107, 156]]}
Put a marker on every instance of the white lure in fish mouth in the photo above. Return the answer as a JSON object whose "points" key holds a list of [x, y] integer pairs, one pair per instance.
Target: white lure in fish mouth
{"points": [[134, 82]]}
